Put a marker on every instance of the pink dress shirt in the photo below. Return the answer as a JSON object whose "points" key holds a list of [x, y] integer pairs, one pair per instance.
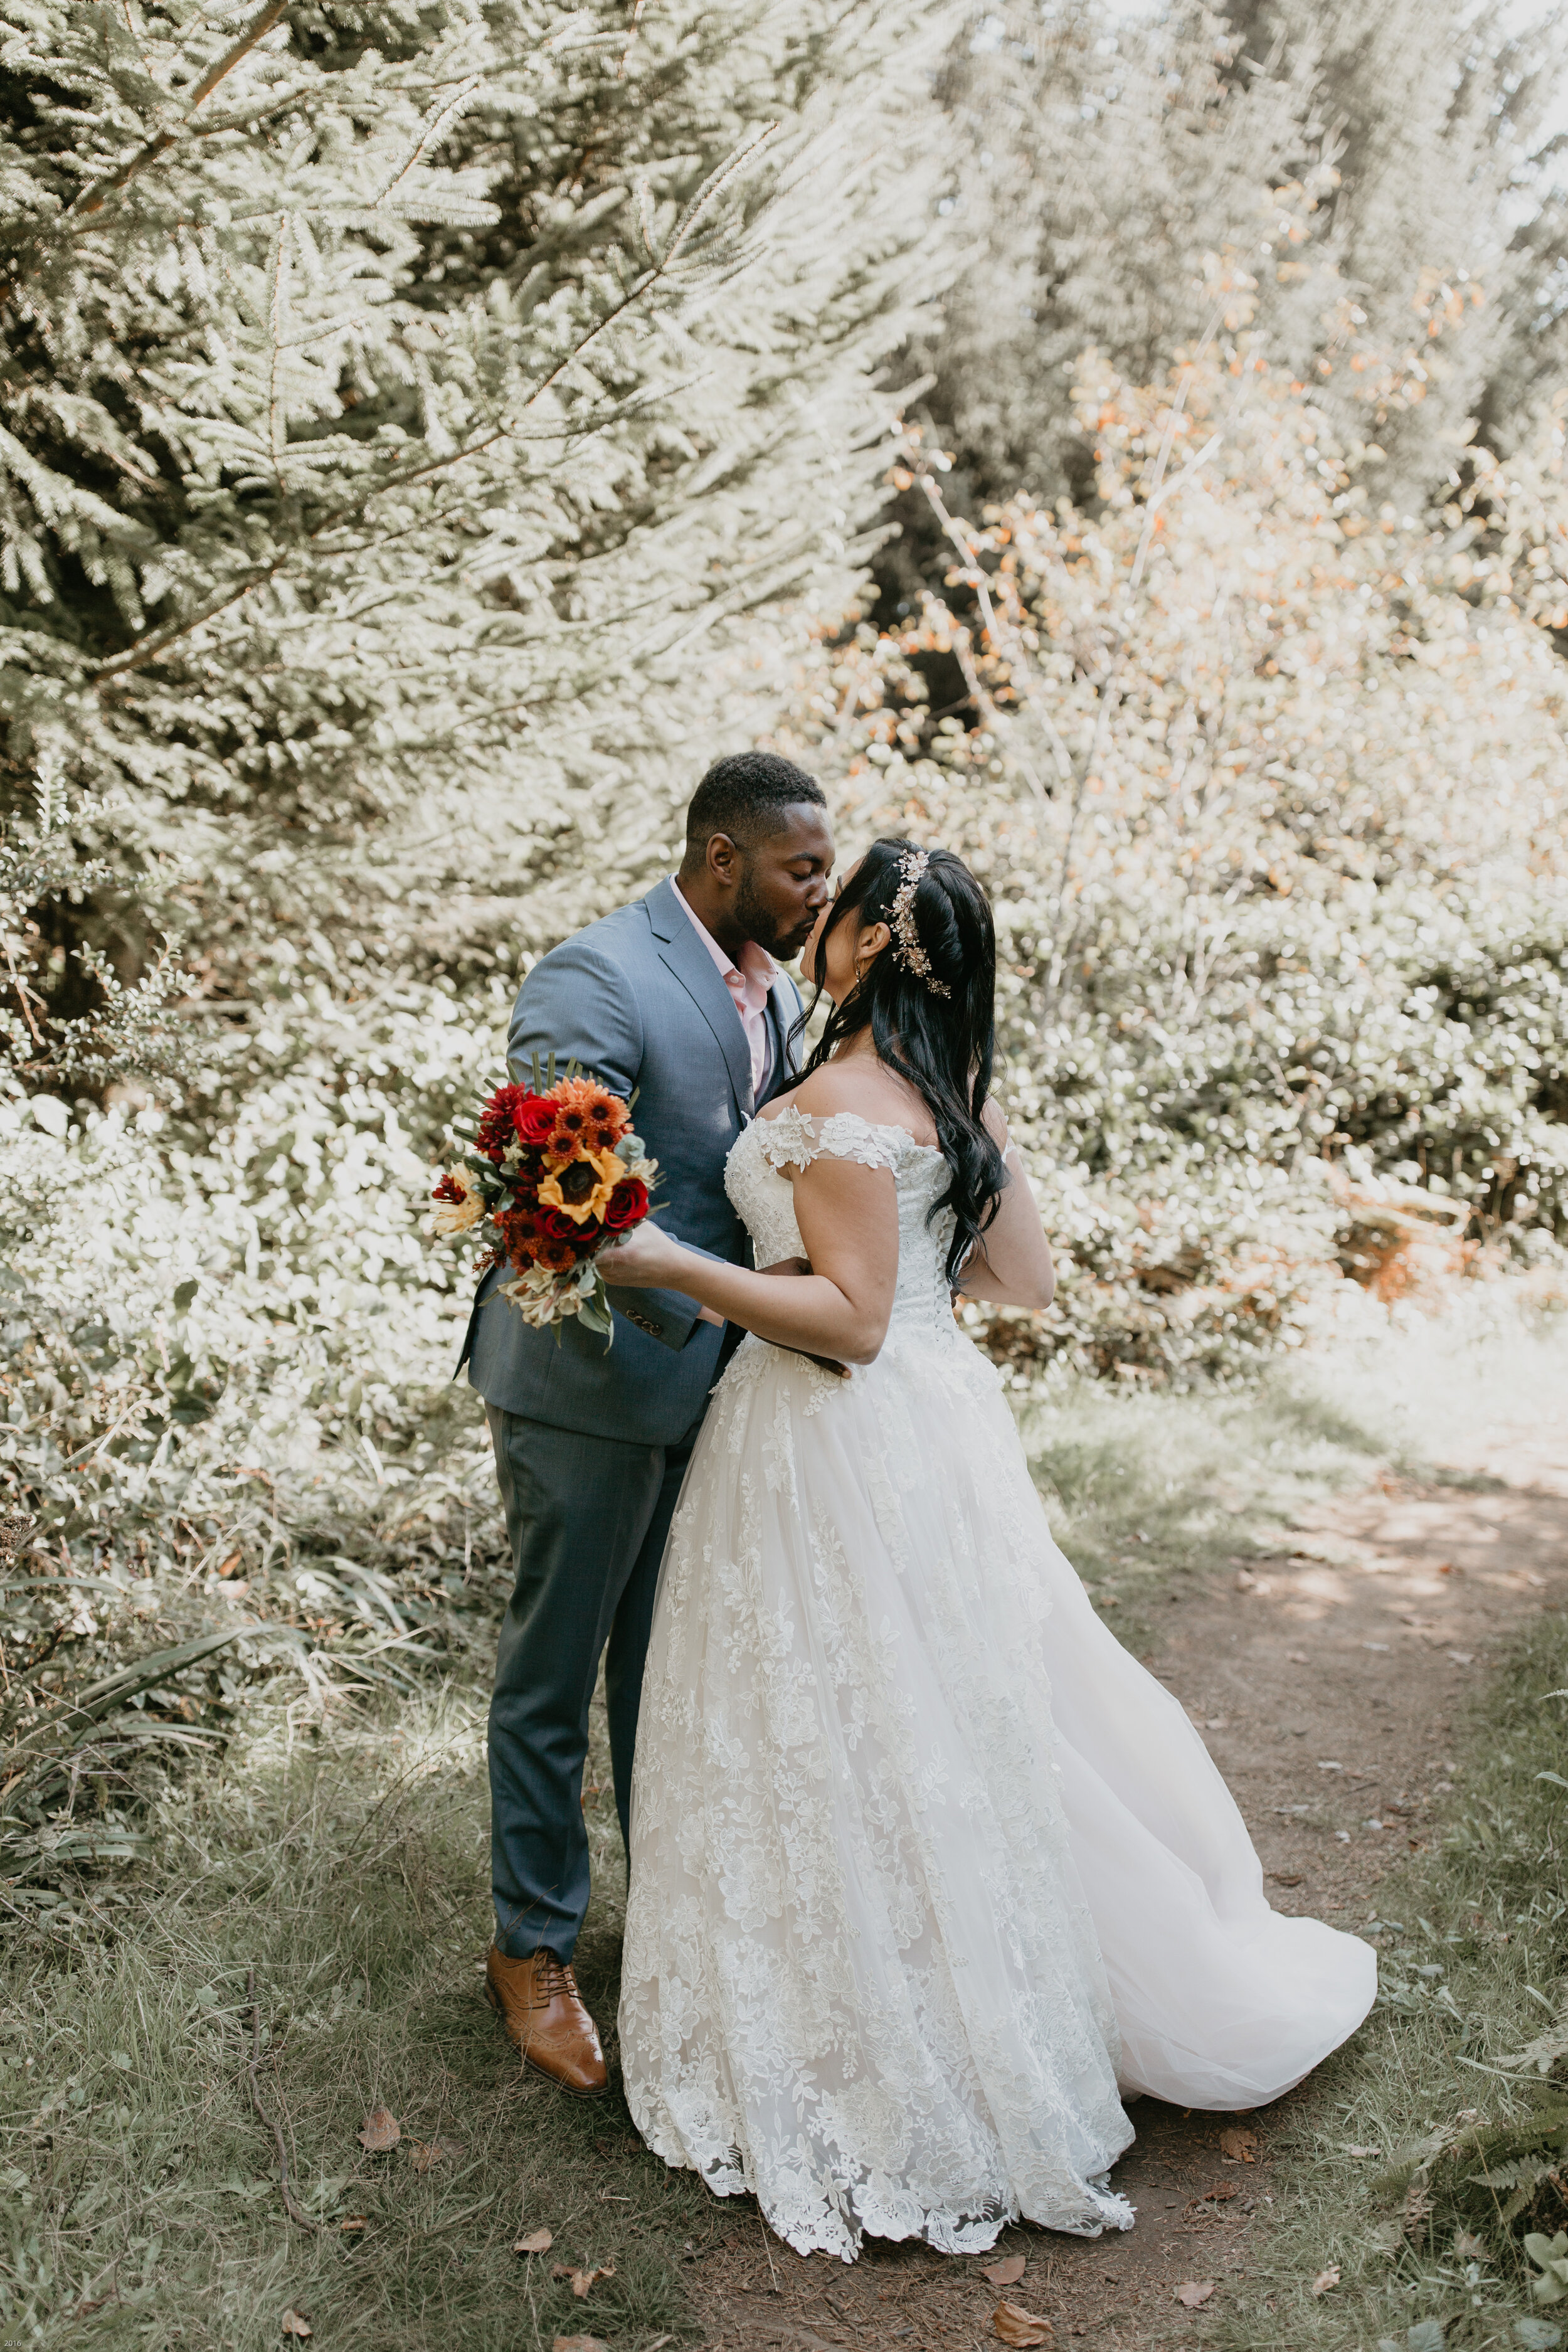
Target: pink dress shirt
{"points": [[750, 984]]}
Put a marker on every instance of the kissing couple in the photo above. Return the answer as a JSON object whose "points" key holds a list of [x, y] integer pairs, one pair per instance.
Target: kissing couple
{"points": [[927, 1876]]}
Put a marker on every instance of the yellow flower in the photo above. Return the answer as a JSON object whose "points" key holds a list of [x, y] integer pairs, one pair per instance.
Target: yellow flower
{"points": [[582, 1197]]}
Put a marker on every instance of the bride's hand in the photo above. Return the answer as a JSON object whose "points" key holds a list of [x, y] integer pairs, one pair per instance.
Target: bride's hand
{"points": [[644, 1259]]}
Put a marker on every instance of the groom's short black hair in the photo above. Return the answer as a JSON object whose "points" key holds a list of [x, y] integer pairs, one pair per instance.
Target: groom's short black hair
{"points": [[745, 796]]}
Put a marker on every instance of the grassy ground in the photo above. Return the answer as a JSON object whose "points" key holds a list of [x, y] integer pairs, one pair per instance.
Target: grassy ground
{"points": [[1460, 2149], [345, 1878], [343, 1871]]}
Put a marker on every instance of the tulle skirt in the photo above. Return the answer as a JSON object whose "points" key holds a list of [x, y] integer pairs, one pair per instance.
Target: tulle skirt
{"points": [[927, 1872]]}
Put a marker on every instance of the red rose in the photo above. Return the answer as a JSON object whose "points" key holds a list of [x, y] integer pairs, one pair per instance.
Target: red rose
{"points": [[627, 1205], [557, 1227], [534, 1118], [509, 1116]]}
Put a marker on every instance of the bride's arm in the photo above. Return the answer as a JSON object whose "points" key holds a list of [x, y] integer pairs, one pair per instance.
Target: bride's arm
{"points": [[1011, 1267], [848, 1223]]}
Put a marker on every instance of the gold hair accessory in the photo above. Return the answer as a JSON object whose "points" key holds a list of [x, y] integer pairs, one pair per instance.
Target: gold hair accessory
{"points": [[907, 947]]}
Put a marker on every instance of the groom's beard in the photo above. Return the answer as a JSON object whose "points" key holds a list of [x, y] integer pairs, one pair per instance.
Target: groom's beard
{"points": [[761, 925]]}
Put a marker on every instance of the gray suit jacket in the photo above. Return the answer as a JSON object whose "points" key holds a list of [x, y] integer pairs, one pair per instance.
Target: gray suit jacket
{"points": [[637, 999]]}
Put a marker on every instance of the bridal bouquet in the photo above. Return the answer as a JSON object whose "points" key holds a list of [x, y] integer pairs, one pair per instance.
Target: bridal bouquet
{"points": [[556, 1172]]}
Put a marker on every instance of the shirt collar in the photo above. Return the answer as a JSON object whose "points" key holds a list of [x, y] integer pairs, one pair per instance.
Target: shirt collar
{"points": [[756, 963]]}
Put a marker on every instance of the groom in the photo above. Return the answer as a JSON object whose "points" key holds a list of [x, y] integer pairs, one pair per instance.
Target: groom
{"points": [[679, 997]]}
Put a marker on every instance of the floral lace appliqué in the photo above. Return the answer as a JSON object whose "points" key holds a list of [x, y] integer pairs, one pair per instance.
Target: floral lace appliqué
{"points": [[859, 1975]]}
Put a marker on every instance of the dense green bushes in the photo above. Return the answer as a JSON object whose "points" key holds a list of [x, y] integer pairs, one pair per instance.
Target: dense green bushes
{"points": [[1267, 790]]}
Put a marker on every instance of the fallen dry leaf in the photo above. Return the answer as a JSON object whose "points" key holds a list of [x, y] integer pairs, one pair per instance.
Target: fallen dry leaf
{"points": [[1240, 2144], [1008, 2271], [1194, 2292], [1468, 2247], [578, 2344], [1363, 2151], [1326, 2280], [538, 2241], [296, 2324], [582, 2280], [1016, 2326], [1287, 1877], [1221, 2189], [356, 2221], [380, 2131], [428, 2152]]}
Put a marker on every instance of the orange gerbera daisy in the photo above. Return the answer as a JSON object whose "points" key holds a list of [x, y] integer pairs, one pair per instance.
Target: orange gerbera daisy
{"points": [[582, 1188], [588, 1118]]}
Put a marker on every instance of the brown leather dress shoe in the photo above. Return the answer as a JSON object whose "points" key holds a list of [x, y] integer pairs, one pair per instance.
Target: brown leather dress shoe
{"points": [[538, 2002]]}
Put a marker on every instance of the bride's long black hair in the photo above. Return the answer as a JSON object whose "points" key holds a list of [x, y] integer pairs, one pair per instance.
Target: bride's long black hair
{"points": [[944, 1045]]}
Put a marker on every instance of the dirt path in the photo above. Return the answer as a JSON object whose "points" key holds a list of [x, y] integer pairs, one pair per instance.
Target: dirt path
{"points": [[1326, 1683]]}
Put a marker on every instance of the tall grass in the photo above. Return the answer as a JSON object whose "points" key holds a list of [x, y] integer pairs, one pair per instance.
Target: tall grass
{"points": [[343, 1878]]}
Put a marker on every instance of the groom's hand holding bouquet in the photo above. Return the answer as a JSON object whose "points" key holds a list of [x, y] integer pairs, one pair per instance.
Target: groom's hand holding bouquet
{"points": [[556, 1174]]}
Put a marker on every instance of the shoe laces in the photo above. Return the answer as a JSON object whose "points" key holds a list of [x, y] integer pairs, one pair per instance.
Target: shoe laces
{"points": [[553, 1977]]}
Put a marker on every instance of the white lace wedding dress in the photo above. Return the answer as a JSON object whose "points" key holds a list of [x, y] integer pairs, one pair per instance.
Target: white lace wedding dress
{"points": [[924, 1865]]}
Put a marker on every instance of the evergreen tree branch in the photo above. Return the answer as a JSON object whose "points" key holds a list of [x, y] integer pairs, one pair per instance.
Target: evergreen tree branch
{"points": [[93, 198], [404, 478]]}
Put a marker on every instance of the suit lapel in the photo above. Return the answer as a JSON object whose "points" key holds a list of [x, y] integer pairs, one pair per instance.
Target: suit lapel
{"points": [[783, 1007], [683, 953]]}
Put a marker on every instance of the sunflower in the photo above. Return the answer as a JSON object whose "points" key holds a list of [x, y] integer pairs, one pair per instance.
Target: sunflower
{"points": [[582, 1189]]}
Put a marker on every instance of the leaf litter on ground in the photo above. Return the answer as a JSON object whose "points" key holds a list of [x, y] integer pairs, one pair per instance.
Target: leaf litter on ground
{"points": [[1194, 2292], [294, 2323], [1021, 2329], [1007, 2271], [536, 2241], [582, 2281], [380, 2131]]}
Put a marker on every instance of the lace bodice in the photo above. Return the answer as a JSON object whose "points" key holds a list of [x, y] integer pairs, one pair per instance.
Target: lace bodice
{"points": [[764, 1197]]}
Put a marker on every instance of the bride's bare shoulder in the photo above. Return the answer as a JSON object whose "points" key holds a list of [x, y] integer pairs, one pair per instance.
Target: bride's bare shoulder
{"points": [[862, 1085]]}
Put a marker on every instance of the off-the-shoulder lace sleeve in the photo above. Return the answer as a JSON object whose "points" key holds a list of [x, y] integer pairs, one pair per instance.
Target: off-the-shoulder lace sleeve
{"points": [[793, 1139]]}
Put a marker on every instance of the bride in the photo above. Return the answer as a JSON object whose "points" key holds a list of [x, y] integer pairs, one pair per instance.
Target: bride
{"points": [[927, 1873]]}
